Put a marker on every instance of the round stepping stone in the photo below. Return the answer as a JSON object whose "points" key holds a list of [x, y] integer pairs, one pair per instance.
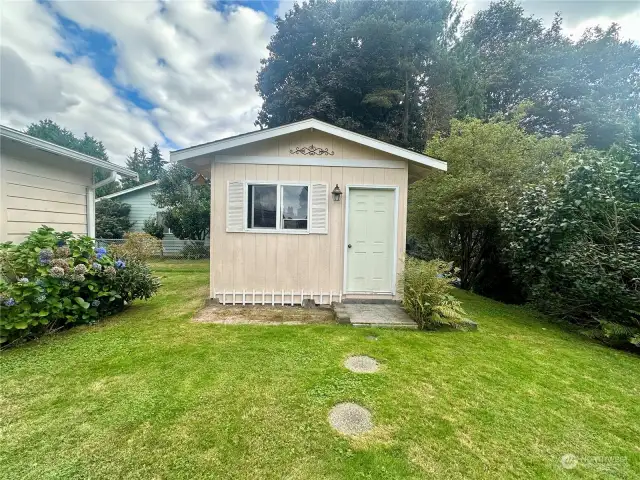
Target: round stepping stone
{"points": [[371, 337], [361, 364], [350, 419]]}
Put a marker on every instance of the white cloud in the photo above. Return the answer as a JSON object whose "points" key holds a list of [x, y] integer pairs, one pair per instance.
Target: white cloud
{"points": [[196, 64]]}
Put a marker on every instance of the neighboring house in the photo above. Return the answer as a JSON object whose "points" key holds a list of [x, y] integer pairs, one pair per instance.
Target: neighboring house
{"points": [[42, 183], [143, 208], [282, 230]]}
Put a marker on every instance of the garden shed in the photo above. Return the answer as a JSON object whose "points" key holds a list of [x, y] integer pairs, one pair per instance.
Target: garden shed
{"points": [[306, 211], [44, 183]]}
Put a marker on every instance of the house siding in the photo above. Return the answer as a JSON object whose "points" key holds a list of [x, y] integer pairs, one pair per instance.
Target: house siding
{"points": [[315, 262], [142, 206], [38, 188]]}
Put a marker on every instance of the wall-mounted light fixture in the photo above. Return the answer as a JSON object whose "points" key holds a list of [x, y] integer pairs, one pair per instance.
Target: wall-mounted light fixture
{"points": [[337, 193]]}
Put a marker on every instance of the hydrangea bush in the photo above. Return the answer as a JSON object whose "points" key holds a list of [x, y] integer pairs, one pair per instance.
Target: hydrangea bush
{"points": [[52, 280]]}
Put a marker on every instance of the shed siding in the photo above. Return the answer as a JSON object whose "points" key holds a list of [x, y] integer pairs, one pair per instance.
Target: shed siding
{"points": [[40, 188], [258, 261], [284, 145]]}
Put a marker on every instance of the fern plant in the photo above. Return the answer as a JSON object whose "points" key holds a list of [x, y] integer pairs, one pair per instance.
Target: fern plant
{"points": [[426, 295]]}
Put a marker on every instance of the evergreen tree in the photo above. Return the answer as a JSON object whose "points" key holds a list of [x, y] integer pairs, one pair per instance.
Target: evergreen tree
{"points": [[156, 162], [139, 162]]}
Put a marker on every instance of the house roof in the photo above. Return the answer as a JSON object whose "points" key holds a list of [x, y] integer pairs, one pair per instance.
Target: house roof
{"points": [[33, 142], [128, 190], [243, 139]]}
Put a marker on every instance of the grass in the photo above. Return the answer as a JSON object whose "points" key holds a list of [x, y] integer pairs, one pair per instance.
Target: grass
{"points": [[151, 394]]}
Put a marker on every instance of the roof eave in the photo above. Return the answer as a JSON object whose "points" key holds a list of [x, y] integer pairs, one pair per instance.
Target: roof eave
{"points": [[190, 153], [49, 147]]}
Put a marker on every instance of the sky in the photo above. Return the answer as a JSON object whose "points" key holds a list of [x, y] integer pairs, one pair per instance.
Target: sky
{"points": [[179, 73]]}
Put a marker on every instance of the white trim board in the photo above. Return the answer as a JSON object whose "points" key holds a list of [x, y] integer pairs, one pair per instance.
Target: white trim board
{"points": [[310, 161], [128, 190], [34, 142], [226, 143], [396, 212]]}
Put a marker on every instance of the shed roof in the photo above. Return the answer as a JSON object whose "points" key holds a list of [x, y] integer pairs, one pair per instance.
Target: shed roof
{"points": [[190, 154], [33, 142]]}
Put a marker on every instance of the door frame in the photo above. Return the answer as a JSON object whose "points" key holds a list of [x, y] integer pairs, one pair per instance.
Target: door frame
{"points": [[394, 268]]}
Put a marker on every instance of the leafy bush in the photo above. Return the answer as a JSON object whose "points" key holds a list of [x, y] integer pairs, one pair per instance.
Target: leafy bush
{"points": [[576, 245], [112, 218], [153, 227], [137, 246], [426, 294], [53, 280]]}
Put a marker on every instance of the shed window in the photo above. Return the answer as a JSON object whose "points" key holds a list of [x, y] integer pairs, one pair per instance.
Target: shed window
{"points": [[262, 206], [295, 207], [277, 207]]}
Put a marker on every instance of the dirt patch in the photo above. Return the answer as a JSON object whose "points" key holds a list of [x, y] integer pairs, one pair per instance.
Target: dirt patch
{"points": [[263, 314]]}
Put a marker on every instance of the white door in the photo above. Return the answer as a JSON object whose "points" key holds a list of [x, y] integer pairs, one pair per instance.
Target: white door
{"points": [[370, 240]]}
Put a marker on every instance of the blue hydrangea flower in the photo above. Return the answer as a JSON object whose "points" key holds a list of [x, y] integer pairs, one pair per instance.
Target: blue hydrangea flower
{"points": [[60, 243], [45, 256], [101, 250], [95, 303], [23, 280], [10, 302], [120, 264], [41, 298], [96, 266]]}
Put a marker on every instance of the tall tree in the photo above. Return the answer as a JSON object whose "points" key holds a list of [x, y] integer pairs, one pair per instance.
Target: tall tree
{"points": [[187, 206], [52, 132], [592, 83], [138, 161], [156, 162], [360, 65]]}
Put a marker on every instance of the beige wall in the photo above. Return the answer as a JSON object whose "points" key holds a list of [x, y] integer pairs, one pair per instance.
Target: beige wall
{"points": [[282, 146], [40, 188], [257, 261]]}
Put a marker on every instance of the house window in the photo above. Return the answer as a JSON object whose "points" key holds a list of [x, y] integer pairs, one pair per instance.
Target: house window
{"points": [[277, 207]]}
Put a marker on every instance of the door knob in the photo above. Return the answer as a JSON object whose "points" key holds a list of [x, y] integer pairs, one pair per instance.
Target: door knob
{"points": [[349, 246]]}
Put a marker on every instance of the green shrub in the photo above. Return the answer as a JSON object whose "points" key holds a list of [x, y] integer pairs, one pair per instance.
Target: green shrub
{"points": [[153, 227], [576, 246], [54, 280], [426, 294]]}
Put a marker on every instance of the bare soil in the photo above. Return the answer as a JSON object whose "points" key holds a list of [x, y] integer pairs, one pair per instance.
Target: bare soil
{"points": [[263, 315]]}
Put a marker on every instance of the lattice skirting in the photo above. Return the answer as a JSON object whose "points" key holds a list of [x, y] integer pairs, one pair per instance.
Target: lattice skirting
{"points": [[273, 297]]}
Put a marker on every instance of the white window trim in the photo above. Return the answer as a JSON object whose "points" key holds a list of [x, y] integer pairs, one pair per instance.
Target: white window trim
{"points": [[278, 229]]}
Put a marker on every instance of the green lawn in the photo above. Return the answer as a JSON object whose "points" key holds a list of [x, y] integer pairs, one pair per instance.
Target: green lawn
{"points": [[149, 394]]}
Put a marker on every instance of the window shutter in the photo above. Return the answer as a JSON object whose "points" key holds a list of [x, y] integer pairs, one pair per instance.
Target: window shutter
{"points": [[319, 208], [235, 206]]}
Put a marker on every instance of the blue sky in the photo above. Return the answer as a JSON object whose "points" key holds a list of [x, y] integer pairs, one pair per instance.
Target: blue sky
{"points": [[178, 73]]}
